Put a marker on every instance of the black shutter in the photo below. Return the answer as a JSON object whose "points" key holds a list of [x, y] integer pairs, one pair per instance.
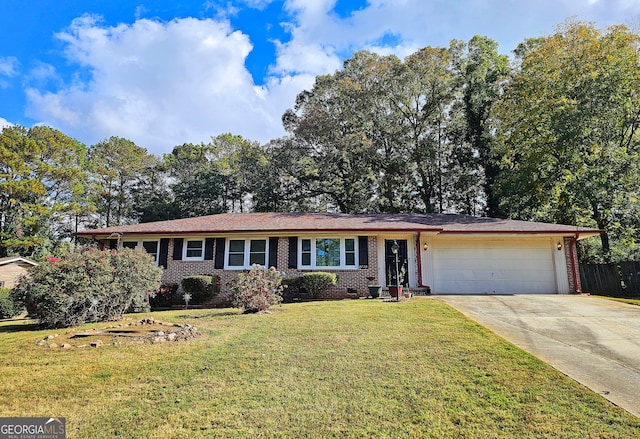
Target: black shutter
{"points": [[293, 252], [273, 252], [219, 261], [363, 251], [113, 244], [208, 249], [164, 252], [177, 249]]}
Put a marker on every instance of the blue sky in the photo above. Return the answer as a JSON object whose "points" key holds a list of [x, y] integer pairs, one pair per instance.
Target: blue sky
{"points": [[162, 73]]}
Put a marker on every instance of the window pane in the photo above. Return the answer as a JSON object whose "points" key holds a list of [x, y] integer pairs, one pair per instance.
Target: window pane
{"points": [[328, 252], [349, 245], [350, 251], [236, 246], [130, 244], [258, 246], [306, 258], [350, 258], [306, 245], [150, 247], [236, 260], [194, 249], [257, 258]]}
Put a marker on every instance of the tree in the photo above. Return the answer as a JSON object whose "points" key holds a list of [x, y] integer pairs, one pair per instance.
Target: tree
{"points": [[42, 184], [118, 169], [327, 127], [482, 73], [422, 96], [216, 177], [385, 135], [568, 127]]}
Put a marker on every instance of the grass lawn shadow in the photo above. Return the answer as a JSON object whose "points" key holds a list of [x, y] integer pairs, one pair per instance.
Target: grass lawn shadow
{"points": [[18, 327]]}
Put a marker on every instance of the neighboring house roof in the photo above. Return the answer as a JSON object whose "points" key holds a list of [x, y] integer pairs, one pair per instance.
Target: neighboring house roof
{"points": [[334, 222], [12, 259]]}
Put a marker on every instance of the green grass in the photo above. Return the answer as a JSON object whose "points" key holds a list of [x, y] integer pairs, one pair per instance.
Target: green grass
{"points": [[320, 369], [624, 300]]}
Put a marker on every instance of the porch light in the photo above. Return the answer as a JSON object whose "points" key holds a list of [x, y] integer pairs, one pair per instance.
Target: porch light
{"points": [[559, 246], [425, 247]]}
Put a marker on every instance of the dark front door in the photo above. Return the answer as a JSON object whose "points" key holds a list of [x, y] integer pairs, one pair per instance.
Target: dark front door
{"points": [[390, 262]]}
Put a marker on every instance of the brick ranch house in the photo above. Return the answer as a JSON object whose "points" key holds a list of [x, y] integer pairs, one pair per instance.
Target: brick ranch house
{"points": [[449, 253]]}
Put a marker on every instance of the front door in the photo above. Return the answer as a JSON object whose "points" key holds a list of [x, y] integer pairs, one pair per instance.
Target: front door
{"points": [[390, 262]]}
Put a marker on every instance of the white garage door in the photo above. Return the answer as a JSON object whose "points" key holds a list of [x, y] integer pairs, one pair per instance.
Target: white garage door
{"points": [[493, 266]]}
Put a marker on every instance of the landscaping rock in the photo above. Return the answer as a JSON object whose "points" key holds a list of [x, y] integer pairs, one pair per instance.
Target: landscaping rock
{"points": [[122, 334]]}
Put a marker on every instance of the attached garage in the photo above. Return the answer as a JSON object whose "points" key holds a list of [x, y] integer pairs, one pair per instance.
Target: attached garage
{"points": [[511, 265]]}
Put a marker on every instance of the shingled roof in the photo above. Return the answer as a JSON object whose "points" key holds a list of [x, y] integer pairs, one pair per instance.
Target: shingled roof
{"points": [[336, 222]]}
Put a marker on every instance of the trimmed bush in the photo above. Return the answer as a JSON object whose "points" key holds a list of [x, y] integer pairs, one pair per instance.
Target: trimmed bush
{"points": [[257, 289], [89, 286], [318, 282], [166, 296], [8, 309], [292, 289], [201, 288]]}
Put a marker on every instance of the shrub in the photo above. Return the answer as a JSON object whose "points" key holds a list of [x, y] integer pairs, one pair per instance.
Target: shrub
{"points": [[292, 289], [201, 288], [318, 282], [89, 286], [257, 289], [166, 295], [8, 309]]}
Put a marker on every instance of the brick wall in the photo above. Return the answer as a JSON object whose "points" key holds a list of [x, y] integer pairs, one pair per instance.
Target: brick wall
{"points": [[571, 259], [347, 279]]}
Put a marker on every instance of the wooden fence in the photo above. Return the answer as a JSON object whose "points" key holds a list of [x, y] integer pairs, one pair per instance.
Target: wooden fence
{"points": [[618, 280]]}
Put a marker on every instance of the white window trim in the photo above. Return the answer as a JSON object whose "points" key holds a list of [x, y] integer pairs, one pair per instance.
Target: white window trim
{"points": [[343, 254], [184, 250], [140, 247], [247, 253]]}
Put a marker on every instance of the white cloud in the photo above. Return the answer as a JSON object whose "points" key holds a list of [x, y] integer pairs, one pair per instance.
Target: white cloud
{"points": [[162, 84], [4, 123], [42, 73], [8, 68], [165, 83]]}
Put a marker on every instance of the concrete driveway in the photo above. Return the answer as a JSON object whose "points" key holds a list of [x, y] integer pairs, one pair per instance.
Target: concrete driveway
{"points": [[594, 341]]}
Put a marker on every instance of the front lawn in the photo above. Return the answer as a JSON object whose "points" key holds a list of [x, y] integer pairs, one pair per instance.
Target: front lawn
{"points": [[621, 299], [321, 369]]}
